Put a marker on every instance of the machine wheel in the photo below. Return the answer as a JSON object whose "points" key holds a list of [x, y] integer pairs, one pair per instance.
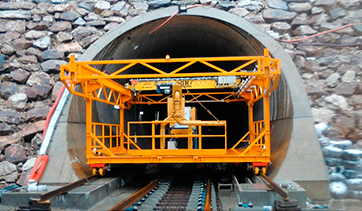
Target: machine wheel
{"points": [[256, 170], [101, 172], [263, 170], [94, 171]]}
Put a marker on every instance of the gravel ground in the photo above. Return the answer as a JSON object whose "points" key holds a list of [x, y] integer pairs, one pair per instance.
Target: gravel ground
{"points": [[10, 208], [7, 208]]}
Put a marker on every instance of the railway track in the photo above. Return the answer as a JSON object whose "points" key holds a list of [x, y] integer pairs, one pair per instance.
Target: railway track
{"points": [[175, 189], [173, 193]]}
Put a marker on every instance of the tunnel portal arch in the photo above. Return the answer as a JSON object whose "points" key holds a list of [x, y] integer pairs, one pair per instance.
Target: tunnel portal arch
{"points": [[202, 31]]}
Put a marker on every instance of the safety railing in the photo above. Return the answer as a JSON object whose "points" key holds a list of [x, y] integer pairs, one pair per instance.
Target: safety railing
{"points": [[255, 136], [258, 130], [105, 138], [158, 138]]}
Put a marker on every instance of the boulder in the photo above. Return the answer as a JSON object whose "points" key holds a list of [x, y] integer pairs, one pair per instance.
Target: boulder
{"points": [[16, 26], [11, 117], [51, 55], [32, 128], [101, 5], [338, 101], [273, 15], [69, 16], [278, 5], [15, 153], [8, 140], [8, 171], [38, 78], [281, 27], [241, 12], [53, 65], [322, 115], [346, 124], [333, 79], [64, 37], [337, 13], [300, 7], [38, 92], [69, 47], [8, 89], [15, 14], [154, 4], [5, 129], [17, 101], [43, 43], [21, 44], [35, 34], [346, 88], [36, 114], [61, 26]]}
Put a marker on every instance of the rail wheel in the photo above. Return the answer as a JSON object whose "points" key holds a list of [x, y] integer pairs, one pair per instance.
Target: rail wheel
{"points": [[94, 171], [256, 170], [263, 170], [101, 171]]}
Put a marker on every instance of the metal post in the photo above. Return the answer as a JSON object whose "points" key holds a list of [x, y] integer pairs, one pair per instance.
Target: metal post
{"points": [[251, 122], [88, 127], [266, 102], [121, 127]]}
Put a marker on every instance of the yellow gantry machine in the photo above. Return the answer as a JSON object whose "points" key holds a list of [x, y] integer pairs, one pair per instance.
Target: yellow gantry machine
{"points": [[252, 80]]}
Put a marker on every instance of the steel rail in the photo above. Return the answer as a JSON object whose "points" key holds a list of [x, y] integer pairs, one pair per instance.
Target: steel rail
{"points": [[66, 188], [283, 193], [208, 196], [135, 197]]}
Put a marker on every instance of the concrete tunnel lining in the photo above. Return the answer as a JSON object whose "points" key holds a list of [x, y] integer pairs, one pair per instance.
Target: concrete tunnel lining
{"points": [[299, 159]]}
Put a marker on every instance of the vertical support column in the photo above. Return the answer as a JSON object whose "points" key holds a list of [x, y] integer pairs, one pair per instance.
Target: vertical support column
{"points": [[267, 124], [88, 126], [121, 127], [200, 136], [226, 140], [189, 139], [153, 137], [266, 62], [162, 133], [251, 121]]}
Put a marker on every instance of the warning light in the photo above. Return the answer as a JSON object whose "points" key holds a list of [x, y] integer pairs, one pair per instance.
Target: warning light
{"points": [[134, 82]]}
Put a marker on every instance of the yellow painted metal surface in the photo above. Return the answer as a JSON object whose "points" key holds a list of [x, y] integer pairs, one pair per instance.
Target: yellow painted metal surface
{"points": [[252, 80]]}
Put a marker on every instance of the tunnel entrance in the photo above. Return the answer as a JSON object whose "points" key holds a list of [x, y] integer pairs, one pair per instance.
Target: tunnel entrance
{"points": [[210, 32]]}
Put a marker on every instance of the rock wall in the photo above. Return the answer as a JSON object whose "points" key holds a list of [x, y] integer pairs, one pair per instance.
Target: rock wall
{"points": [[37, 36]]}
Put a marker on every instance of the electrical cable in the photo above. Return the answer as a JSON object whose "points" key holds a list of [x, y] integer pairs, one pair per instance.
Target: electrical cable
{"points": [[51, 111], [320, 44], [321, 33], [110, 195], [173, 15], [297, 41]]}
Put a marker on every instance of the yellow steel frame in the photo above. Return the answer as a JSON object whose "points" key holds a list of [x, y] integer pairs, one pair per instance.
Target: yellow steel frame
{"points": [[109, 143]]}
